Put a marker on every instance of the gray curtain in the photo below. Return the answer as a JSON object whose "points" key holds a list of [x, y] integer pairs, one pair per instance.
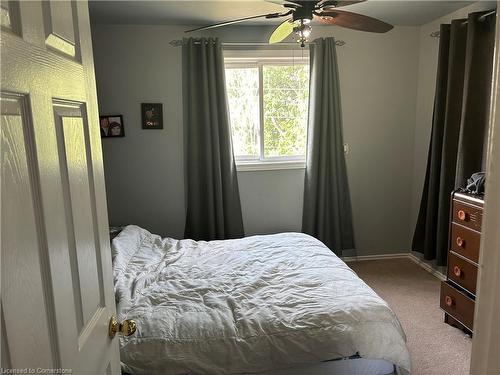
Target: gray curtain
{"points": [[212, 194], [459, 126], [327, 207]]}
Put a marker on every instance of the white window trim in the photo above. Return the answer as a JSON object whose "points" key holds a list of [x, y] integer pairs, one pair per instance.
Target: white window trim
{"points": [[244, 164], [264, 165]]}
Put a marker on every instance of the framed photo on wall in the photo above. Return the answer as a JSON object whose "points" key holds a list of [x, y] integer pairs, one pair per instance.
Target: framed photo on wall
{"points": [[111, 126], [152, 115]]}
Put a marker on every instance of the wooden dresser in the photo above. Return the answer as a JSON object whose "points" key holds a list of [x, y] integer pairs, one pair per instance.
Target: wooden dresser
{"points": [[458, 292]]}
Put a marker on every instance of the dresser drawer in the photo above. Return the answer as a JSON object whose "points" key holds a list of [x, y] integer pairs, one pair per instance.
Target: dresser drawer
{"points": [[465, 242], [462, 272], [457, 304], [469, 216]]}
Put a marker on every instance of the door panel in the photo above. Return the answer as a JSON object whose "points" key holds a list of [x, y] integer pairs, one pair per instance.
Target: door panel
{"points": [[57, 291], [75, 162], [61, 26], [9, 16], [21, 243]]}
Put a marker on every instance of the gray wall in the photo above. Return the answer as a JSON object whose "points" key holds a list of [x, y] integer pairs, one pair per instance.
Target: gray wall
{"points": [[144, 173]]}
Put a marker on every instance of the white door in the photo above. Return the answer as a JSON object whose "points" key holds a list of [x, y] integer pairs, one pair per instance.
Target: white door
{"points": [[56, 283]]}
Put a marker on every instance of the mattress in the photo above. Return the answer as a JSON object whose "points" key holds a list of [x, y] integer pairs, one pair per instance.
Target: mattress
{"points": [[250, 305]]}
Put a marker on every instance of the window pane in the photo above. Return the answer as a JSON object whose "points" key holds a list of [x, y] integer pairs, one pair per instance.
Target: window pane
{"points": [[286, 94], [242, 85]]}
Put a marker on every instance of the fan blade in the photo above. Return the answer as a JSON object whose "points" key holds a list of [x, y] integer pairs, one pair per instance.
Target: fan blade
{"points": [[328, 4], [219, 24], [281, 32], [348, 2], [354, 21], [284, 2]]}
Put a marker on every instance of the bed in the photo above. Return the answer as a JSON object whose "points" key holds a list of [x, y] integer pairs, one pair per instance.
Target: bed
{"points": [[268, 304]]}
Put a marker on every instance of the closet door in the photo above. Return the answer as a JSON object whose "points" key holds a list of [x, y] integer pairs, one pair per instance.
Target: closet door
{"points": [[56, 283]]}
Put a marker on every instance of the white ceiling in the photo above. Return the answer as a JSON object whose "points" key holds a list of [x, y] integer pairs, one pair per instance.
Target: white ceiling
{"points": [[189, 12]]}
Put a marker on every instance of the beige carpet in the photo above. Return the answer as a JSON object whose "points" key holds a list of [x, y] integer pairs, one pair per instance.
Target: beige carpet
{"points": [[413, 294]]}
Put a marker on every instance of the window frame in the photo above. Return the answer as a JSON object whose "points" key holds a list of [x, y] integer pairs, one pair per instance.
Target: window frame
{"points": [[244, 163]]}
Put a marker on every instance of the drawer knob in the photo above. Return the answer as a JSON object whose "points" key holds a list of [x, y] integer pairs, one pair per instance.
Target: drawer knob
{"points": [[460, 241], [457, 271], [448, 301], [462, 215]]}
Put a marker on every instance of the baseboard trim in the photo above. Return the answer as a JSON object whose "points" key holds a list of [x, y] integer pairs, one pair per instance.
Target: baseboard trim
{"points": [[427, 267], [361, 258], [409, 256]]}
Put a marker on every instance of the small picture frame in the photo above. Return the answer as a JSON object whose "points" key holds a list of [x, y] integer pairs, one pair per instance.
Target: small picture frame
{"points": [[152, 115], [112, 126]]}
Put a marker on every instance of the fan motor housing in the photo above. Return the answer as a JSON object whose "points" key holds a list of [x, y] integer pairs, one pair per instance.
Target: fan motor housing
{"points": [[304, 11]]}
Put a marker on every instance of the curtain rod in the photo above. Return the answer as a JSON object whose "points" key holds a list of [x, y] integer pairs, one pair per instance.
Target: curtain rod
{"points": [[177, 43], [435, 34]]}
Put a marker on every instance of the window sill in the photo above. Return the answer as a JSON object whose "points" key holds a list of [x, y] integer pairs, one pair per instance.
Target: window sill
{"points": [[269, 165]]}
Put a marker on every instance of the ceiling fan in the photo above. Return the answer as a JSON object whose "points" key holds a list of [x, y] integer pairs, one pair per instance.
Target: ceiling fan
{"points": [[300, 13]]}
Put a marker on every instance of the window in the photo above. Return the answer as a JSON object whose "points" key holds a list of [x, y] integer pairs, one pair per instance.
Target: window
{"points": [[268, 102]]}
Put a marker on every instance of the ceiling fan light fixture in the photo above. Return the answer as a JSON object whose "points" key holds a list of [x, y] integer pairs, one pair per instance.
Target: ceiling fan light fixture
{"points": [[306, 32], [303, 32]]}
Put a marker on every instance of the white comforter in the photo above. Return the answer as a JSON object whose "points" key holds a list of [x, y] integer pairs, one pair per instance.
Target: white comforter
{"points": [[244, 306]]}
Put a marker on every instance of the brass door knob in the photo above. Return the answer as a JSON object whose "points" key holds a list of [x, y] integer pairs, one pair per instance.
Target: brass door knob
{"points": [[126, 328], [457, 271]]}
